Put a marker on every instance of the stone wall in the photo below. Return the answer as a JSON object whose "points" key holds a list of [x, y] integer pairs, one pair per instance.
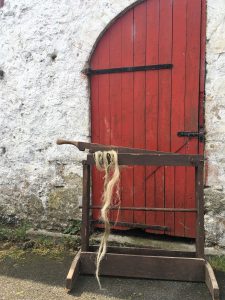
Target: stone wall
{"points": [[44, 45], [215, 124]]}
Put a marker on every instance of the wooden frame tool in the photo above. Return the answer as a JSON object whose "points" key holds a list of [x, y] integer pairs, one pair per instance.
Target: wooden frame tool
{"points": [[153, 263]]}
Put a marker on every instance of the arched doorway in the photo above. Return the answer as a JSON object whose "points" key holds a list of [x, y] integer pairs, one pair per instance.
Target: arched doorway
{"points": [[147, 104]]}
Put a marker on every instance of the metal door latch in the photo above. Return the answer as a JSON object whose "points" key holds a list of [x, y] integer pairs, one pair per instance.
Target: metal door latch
{"points": [[191, 134]]}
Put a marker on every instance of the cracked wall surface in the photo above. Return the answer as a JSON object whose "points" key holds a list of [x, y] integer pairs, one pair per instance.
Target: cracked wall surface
{"points": [[44, 45]]}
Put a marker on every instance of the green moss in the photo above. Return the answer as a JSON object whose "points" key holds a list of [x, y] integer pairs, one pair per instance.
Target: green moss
{"points": [[56, 252], [14, 234], [218, 262], [71, 243], [42, 246], [74, 227], [15, 243], [13, 253]]}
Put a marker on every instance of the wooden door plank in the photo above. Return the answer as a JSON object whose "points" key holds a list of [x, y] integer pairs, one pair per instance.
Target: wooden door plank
{"points": [[115, 88], [202, 71], [152, 81], [164, 108], [95, 131], [179, 201], [169, 198], [104, 109], [104, 97], [178, 97], [139, 105], [127, 113], [192, 102], [102, 51]]}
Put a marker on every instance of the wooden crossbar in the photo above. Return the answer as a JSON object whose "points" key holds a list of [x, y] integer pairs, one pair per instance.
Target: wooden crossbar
{"points": [[153, 159]]}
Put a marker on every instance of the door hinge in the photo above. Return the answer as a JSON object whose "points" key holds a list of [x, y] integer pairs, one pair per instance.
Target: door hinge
{"points": [[90, 71], [191, 134]]}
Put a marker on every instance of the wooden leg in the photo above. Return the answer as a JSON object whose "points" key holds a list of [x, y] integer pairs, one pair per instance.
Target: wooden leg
{"points": [[85, 227], [200, 235], [211, 282], [73, 272]]}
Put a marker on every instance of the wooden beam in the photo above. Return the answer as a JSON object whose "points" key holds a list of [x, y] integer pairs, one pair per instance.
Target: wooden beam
{"points": [[145, 251], [133, 225], [211, 282], [73, 272], [200, 233], [133, 159], [169, 209], [154, 267]]}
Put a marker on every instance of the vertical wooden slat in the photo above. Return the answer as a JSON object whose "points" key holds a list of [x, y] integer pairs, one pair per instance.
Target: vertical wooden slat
{"points": [[127, 114], [177, 114], [169, 198], [202, 70], [139, 105], [95, 131], [85, 207], [152, 81], [104, 117], [164, 188], [192, 102], [115, 89]]}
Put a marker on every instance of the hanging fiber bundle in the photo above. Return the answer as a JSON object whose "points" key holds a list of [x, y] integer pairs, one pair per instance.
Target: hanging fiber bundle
{"points": [[106, 161]]}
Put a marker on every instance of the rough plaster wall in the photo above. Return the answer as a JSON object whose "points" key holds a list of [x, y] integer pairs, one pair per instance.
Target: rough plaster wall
{"points": [[44, 97], [215, 123]]}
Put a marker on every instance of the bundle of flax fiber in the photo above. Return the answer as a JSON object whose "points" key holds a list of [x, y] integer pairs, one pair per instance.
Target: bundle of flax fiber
{"points": [[106, 161]]}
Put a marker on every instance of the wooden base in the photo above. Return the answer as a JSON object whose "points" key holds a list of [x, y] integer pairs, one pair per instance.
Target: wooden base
{"points": [[140, 266], [74, 272], [211, 282], [149, 267]]}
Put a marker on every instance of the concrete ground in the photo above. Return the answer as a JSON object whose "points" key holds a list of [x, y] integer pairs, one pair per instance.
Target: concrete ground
{"points": [[40, 277]]}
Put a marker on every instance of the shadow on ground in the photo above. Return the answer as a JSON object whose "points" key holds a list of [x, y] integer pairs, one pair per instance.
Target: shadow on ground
{"points": [[37, 277]]}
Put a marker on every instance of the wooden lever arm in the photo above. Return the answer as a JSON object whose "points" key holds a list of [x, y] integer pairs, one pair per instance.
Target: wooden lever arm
{"points": [[80, 145], [99, 147]]}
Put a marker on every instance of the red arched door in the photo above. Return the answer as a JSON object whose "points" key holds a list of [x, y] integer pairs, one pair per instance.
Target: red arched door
{"points": [[147, 108]]}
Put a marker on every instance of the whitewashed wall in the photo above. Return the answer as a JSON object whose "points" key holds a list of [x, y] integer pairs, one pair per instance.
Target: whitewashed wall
{"points": [[215, 123], [43, 98], [44, 45]]}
